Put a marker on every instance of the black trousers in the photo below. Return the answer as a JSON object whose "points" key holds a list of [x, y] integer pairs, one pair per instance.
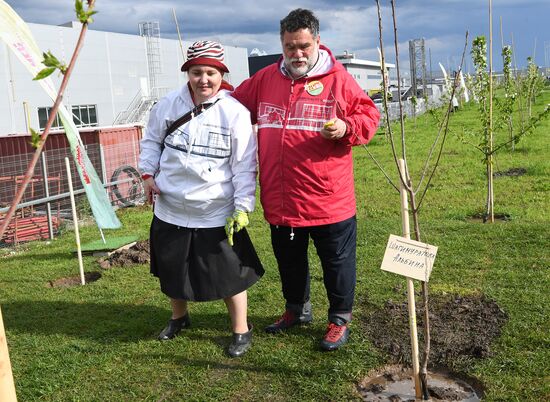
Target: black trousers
{"points": [[336, 247]]}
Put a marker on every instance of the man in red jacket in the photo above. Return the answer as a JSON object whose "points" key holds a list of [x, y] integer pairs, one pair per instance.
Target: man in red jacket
{"points": [[310, 112]]}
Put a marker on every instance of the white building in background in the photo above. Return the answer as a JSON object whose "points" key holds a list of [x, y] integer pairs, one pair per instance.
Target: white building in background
{"points": [[366, 73], [115, 75]]}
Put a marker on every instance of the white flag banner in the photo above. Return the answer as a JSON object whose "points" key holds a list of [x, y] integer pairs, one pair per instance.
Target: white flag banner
{"points": [[17, 35]]}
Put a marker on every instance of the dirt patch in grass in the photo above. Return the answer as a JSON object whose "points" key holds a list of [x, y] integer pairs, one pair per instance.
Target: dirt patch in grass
{"points": [[462, 330], [482, 218], [137, 254], [512, 172], [74, 280]]}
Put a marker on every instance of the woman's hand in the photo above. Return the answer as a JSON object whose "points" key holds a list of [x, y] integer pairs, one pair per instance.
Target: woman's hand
{"points": [[235, 223], [151, 189]]}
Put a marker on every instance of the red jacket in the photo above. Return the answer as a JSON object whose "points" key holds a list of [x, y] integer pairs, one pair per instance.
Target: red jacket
{"points": [[305, 179]]}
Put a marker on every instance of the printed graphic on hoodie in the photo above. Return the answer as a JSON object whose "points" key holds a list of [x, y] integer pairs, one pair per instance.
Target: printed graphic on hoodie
{"points": [[211, 141], [306, 114]]}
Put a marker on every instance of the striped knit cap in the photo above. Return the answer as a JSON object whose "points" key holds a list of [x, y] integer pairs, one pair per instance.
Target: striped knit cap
{"points": [[205, 52]]}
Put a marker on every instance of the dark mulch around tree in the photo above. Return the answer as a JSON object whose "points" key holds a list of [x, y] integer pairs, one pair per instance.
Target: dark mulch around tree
{"points": [[481, 217], [462, 329], [512, 172], [137, 254]]}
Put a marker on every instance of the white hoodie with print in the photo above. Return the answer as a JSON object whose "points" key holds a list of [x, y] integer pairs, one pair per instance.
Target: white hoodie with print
{"points": [[208, 166]]}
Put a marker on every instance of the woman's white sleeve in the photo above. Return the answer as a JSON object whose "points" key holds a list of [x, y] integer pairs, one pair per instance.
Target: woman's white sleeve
{"points": [[244, 162], [149, 157]]}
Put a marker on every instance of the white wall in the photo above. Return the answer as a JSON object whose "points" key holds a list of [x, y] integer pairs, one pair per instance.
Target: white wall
{"points": [[108, 73], [368, 77]]}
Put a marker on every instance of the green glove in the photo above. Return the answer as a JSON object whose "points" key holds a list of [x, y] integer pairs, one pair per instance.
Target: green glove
{"points": [[236, 222]]}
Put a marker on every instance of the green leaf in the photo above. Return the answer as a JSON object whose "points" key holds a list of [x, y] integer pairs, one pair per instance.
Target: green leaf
{"points": [[85, 17], [44, 73], [79, 8], [90, 19], [50, 60], [35, 139]]}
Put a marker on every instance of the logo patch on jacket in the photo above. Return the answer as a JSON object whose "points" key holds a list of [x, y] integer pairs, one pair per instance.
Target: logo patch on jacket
{"points": [[305, 114], [314, 88]]}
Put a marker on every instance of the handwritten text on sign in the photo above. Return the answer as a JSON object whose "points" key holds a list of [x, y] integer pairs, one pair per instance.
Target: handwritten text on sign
{"points": [[409, 258]]}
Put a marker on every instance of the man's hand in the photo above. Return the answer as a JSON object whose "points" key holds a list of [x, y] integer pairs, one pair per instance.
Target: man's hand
{"points": [[150, 188], [236, 222], [334, 129]]}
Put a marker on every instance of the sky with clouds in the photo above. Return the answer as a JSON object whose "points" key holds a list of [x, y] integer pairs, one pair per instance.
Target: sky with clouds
{"points": [[345, 25]]}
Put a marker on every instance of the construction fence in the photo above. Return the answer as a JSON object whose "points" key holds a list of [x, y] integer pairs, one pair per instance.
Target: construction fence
{"points": [[411, 109], [46, 206]]}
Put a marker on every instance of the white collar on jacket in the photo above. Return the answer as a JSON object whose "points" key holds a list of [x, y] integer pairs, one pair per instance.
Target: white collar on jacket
{"points": [[187, 100], [323, 65]]}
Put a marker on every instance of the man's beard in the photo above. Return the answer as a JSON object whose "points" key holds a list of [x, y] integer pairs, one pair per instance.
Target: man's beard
{"points": [[297, 72]]}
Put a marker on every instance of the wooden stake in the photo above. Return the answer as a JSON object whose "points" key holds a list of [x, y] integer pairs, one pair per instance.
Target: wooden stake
{"points": [[179, 36], [27, 117], [491, 197], [75, 221], [410, 285], [7, 387]]}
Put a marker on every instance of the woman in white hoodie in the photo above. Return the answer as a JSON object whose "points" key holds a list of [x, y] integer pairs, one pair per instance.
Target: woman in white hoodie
{"points": [[198, 163]]}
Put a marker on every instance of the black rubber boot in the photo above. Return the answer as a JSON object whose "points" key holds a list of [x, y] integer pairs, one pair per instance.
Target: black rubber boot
{"points": [[174, 327], [240, 343]]}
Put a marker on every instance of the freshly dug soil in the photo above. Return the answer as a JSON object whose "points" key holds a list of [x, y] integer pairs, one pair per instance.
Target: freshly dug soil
{"points": [[512, 172], [137, 254], [74, 280], [462, 329], [482, 218]]}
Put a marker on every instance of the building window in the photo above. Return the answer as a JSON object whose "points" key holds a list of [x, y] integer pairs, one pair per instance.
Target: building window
{"points": [[43, 115], [85, 115], [374, 77]]}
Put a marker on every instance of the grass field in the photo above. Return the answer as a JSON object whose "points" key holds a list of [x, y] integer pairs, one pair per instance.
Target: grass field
{"points": [[98, 342]]}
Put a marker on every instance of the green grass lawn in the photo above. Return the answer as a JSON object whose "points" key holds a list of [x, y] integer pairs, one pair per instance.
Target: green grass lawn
{"points": [[98, 342]]}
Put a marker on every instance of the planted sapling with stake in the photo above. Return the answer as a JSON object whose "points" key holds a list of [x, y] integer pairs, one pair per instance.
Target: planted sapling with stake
{"points": [[510, 95], [415, 194], [487, 135]]}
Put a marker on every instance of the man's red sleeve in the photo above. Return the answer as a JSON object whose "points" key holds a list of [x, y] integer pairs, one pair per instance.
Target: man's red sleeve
{"points": [[247, 94]]}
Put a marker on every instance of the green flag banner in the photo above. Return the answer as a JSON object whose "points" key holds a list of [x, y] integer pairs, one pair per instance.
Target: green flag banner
{"points": [[18, 37]]}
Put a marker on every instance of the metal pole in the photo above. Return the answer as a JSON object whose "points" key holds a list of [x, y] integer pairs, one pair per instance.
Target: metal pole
{"points": [[102, 161], [47, 194], [410, 286]]}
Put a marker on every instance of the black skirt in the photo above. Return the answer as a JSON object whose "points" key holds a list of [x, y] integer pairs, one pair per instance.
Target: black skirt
{"points": [[199, 264]]}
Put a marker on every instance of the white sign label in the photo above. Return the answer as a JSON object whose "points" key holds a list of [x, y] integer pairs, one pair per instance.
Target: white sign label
{"points": [[409, 258]]}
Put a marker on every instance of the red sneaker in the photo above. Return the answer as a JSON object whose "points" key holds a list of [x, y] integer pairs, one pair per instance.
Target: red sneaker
{"points": [[335, 336], [289, 319]]}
